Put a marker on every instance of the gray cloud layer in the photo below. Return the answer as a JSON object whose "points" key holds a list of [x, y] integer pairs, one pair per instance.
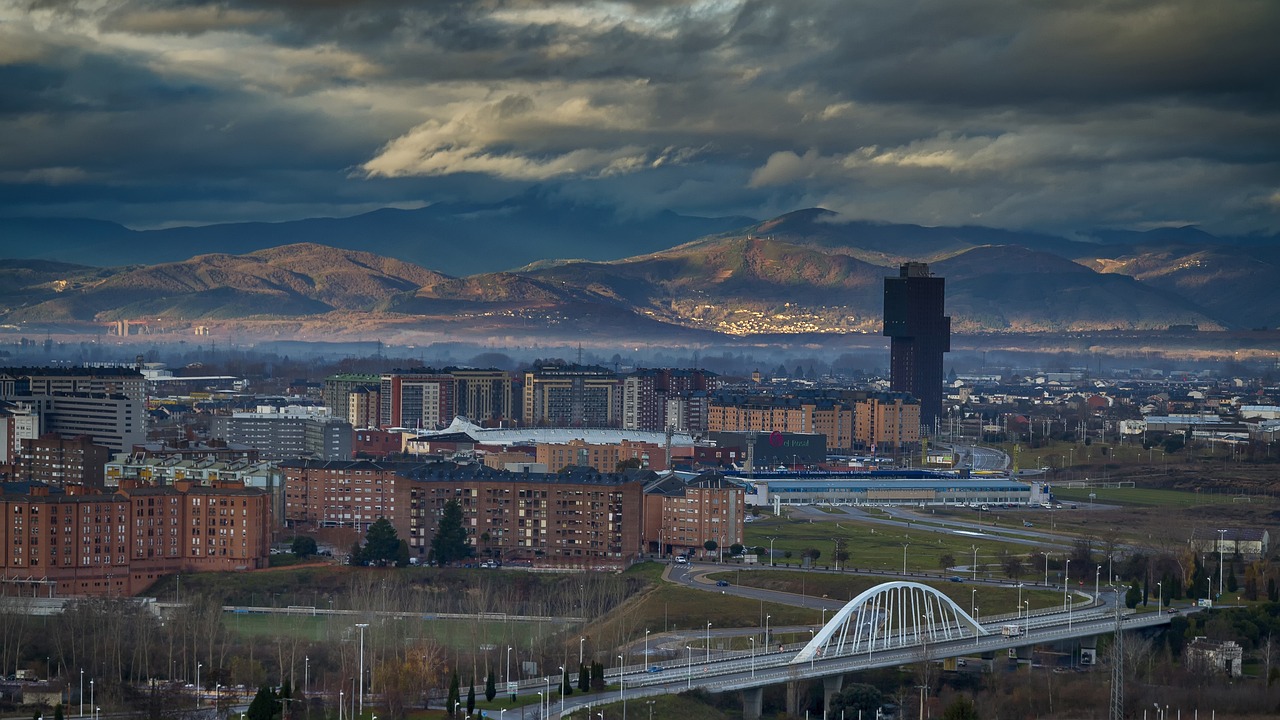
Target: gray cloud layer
{"points": [[1043, 114]]}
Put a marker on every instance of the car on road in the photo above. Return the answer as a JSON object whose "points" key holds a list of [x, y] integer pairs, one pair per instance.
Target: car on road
{"points": [[956, 578], [1026, 523], [655, 669], [681, 560], [722, 583]]}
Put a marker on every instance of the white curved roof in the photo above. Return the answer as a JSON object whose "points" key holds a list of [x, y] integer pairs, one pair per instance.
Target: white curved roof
{"points": [[517, 436]]}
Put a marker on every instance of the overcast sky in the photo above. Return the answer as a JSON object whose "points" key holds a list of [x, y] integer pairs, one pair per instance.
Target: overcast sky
{"points": [[1039, 114]]}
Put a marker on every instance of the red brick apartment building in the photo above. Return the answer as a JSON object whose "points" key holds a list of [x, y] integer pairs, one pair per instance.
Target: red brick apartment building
{"points": [[573, 518], [87, 542], [680, 517], [580, 518]]}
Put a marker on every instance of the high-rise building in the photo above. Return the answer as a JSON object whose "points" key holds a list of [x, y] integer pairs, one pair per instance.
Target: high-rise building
{"points": [[427, 398], [337, 391], [572, 396], [647, 396], [921, 333]]}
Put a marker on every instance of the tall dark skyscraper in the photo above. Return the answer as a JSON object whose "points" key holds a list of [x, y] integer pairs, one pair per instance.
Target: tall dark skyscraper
{"points": [[913, 307]]}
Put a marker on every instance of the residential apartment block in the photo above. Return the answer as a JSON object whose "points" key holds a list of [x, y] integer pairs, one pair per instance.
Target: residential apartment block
{"points": [[603, 458], [887, 422], [426, 398], [681, 516], [119, 543], [58, 460], [655, 399], [731, 413], [572, 396], [580, 517], [288, 432]]}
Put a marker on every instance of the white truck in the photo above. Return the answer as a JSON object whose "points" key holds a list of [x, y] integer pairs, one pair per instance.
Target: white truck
{"points": [[1011, 630]]}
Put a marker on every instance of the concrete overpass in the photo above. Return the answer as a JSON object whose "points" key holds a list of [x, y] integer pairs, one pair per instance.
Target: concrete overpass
{"points": [[887, 626]]}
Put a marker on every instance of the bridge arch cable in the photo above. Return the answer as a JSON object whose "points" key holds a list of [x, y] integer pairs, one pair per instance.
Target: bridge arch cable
{"points": [[890, 615]]}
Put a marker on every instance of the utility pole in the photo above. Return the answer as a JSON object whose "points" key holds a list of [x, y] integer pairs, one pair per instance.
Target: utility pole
{"points": [[1117, 662]]}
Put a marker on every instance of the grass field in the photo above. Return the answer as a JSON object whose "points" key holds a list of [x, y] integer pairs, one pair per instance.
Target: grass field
{"points": [[1144, 496], [873, 546], [461, 634], [990, 600]]}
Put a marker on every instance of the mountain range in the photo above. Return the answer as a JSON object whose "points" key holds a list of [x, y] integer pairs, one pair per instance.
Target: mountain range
{"points": [[807, 272]]}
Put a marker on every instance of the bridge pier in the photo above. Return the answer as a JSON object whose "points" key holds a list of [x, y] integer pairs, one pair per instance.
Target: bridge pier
{"points": [[752, 703], [831, 686], [794, 688], [1088, 650]]}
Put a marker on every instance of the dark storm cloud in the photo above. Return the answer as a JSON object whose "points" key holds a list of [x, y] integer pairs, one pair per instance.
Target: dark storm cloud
{"points": [[1042, 114]]}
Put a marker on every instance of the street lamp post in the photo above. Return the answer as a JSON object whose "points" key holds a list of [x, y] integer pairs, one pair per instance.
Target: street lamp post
{"points": [[1026, 619], [622, 684], [688, 683], [541, 697], [81, 692], [646, 647], [753, 656], [708, 644], [562, 674], [1096, 575], [362, 626], [1222, 538], [771, 539], [977, 625], [91, 704], [974, 566], [340, 702], [198, 666], [507, 678], [766, 632], [973, 602], [1159, 596], [306, 673], [581, 640], [1019, 599], [1066, 582], [904, 557]]}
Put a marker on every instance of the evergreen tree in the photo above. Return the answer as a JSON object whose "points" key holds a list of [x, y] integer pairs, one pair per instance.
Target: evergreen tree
{"points": [[265, 705], [1232, 583], [855, 699], [1133, 596], [1273, 594], [450, 543], [490, 687], [304, 546], [584, 678], [566, 687], [597, 677], [455, 695], [471, 697], [382, 544]]}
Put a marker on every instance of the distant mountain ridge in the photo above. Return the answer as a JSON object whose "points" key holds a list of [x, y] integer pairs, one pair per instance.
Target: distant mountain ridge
{"points": [[454, 238], [808, 272]]}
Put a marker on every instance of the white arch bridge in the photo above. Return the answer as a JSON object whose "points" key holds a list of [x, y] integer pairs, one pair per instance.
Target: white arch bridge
{"points": [[891, 614]]}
